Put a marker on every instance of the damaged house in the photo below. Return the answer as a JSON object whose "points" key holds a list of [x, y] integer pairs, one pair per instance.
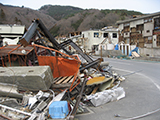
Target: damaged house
{"points": [[142, 32], [10, 34], [106, 38]]}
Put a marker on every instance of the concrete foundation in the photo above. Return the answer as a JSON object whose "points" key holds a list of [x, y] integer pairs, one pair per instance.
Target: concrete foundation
{"points": [[28, 77], [152, 52], [107, 53]]}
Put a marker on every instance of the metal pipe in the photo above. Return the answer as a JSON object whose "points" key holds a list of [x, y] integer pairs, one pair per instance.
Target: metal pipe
{"points": [[78, 99], [92, 64], [47, 34], [5, 117], [40, 36], [56, 45], [9, 108], [78, 49]]}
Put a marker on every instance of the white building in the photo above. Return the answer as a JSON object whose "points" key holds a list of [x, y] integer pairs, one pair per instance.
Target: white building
{"points": [[10, 34], [142, 32], [105, 38]]}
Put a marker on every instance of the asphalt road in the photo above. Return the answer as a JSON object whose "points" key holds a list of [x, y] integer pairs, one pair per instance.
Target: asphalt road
{"points": [[142, 93]]}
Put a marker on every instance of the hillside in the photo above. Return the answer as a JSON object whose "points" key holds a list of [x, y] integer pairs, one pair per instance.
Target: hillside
{"points": [[58, 12], [24, 16], [90, 19], [64, 19]]}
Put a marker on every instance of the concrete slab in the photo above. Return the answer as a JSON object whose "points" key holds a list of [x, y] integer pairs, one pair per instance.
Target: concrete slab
{"points": [[27, 77], [106, 53]]}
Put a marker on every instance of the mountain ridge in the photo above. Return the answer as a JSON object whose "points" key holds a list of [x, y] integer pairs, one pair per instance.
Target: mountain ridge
{"points": [[61, 20], [23, 16]]}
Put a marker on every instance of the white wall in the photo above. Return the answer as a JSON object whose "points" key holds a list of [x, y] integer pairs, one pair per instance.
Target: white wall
{"points": [[120, 27], [152, 52], [92, 40], [154, 40], [126, 34], [135, 23], [148, 27], [15, 29]]}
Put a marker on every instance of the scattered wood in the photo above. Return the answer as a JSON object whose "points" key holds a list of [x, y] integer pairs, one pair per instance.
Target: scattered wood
{"points": [[62, 82], [134, 54]]}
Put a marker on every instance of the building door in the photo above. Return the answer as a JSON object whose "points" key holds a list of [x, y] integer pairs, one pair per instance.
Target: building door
{"points": [[124, 49], [127, 50]]}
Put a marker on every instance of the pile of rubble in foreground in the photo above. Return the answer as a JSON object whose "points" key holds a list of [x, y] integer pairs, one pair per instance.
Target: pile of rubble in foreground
{"points": [[31, 92], [39, 81]]}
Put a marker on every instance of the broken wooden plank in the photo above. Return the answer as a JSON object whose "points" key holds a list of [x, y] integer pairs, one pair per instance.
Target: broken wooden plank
{"points": [[134, 54], [68, 79], [57, 79], [64, 84], [95, 90], [61, 80]]}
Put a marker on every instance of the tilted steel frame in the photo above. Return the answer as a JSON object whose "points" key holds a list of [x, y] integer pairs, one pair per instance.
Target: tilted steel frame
{"points": [[38, 23]]}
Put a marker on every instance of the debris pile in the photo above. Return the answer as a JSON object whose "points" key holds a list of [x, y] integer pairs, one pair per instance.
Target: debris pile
{"points": [[41, 79], [106, 96]]}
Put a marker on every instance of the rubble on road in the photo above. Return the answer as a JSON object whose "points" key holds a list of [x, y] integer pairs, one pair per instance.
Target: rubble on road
{"points": [[44, 80], [106, 96], [135, 54]]}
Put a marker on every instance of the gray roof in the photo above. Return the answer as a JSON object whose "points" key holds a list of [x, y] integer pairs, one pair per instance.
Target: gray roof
{"points": [[134, 19], [105, 30]]}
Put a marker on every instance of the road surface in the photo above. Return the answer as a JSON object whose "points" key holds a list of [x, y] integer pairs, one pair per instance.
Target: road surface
{"points": [[142, 93]]}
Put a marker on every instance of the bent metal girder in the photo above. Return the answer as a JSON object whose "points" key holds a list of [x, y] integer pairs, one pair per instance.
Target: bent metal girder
{"points": [[32, 30]]}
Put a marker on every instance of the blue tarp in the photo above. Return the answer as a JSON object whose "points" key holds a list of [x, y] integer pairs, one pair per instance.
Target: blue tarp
{"points": [[134, 50], [116, 47]]}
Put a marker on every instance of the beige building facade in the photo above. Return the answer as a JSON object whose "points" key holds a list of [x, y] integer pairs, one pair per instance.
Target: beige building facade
{"points": [[143, 32]]}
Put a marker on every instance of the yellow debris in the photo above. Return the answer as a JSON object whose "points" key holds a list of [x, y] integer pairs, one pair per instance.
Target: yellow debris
{"points": [[95, 80]]}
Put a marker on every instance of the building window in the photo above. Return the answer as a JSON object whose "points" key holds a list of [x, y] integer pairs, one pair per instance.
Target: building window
{"points": [[114, 35], [128, 41], [94, 48], [96, 34], [158, 40], [147, 20], [140, 27], [148, 40], [157, 23], [126, 29], [148, 31], [105, 35]]}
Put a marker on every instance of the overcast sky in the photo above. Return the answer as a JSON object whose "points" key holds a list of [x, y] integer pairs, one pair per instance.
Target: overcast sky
{"points": [[144, 6]]}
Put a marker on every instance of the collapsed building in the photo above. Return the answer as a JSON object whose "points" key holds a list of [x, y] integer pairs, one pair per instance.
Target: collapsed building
{"points": [[11, 34], [106, 38], [142, 32], [46, 77]]}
